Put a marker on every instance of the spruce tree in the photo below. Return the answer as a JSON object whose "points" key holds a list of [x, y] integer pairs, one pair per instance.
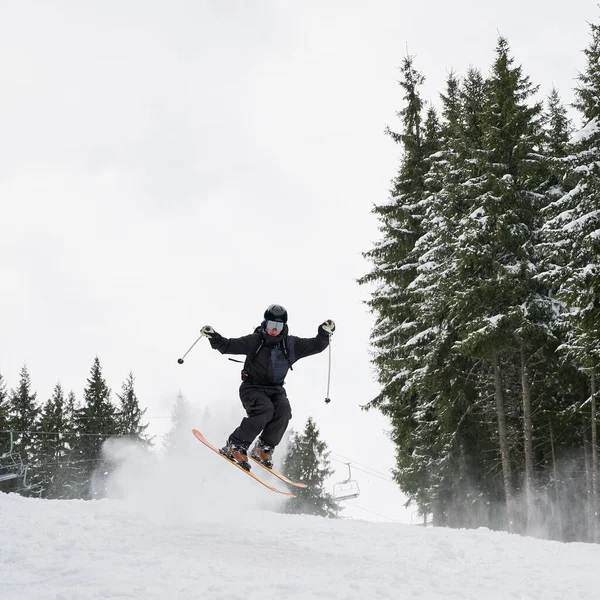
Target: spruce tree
{"points": [[67, 472], [554, 252], [558, 127], [573, 232], [394, 269], [307, 461], [178, 436], [8, 466], [400, 225], [95, 422], [441, 465], [52, 450], [499, 303], [23, 416], [4, 417], [130, 413]]}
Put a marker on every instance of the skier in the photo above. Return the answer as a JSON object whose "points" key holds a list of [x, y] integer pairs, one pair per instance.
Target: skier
{"points": [[270, 351]]}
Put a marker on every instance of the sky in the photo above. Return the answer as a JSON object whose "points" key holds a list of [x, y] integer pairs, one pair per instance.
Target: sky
{"points": [[165, 166], [119, 549]]}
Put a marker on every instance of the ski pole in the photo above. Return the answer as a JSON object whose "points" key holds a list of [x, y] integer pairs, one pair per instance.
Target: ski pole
{"points": [[180, 360], [327, 398]]}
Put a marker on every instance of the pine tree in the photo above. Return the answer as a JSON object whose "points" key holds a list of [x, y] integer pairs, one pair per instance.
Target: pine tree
{"points": [[307, 461], [4, 417], [498, 301], [178, 436], [587, 99], [130, 413], [395, 269], [573, 233], [23, 416], [95, 422], [67, 472], [441, 465], [10, 465], [557, 126], [52, 449], [553, 251], [400, 226]]}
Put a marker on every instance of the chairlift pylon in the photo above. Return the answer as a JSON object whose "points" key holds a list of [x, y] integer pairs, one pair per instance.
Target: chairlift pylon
{"points": [[347, 489], [11, 464]]}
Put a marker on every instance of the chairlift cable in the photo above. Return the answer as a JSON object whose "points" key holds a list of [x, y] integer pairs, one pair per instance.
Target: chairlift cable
{"points": [[357, 463], [373, 474], [76, 433]]}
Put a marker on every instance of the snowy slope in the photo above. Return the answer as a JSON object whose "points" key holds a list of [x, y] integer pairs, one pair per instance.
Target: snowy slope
{"points": [[125, 549]]}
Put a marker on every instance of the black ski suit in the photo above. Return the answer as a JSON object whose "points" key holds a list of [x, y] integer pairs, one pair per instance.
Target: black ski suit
{"points": [[268, 359]]}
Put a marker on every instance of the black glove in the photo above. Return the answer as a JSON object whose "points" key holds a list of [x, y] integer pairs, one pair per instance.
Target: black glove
{"points": [[328, 327]]}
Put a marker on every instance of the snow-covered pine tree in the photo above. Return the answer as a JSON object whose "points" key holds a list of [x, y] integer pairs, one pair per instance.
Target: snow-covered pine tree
{"points": [[498, 300], [4, 417], [51, 449], [555, 387], [66, 471], [7, 467], [394, 270], [553, 249], [423, 447], [400, 226], [307, 460], [476, 432], [425, 444], [23, 416], [446, 442], [95, 422], [179, 436], [130, 414], [574, 228], [558, 127]]}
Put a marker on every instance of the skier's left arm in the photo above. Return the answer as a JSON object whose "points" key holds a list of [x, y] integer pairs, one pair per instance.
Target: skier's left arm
{"points": [[304, 347]]}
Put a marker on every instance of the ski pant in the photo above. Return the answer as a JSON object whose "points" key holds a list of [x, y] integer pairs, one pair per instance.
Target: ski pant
{"points": [[269, 412]]}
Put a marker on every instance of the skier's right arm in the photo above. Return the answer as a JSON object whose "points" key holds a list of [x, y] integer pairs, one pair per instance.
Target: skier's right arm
{"points": [[242, 345]]}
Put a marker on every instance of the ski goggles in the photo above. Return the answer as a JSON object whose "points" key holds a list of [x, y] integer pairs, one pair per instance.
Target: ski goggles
{"points": [[274, 325]]}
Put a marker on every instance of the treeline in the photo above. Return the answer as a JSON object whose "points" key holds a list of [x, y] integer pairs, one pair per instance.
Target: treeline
{"points": [[487, 301], [54, 449]]}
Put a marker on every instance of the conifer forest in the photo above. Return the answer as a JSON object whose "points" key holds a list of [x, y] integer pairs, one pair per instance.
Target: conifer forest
{"points": [[55, 449], [486, 297]]}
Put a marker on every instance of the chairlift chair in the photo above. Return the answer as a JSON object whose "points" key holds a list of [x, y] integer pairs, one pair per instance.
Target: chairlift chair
{"points": [[347, 489], [11, 464], [31, 488]]}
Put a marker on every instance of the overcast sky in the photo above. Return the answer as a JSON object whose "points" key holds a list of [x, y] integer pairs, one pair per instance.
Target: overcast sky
{"points": [[166, 165]]}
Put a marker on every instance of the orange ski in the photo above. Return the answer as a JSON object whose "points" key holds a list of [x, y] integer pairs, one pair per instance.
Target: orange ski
{"points": [[202, 439], [278, 474]]}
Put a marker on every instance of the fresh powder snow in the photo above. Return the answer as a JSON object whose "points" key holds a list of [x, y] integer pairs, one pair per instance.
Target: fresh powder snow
{"points": [[191, 527]]}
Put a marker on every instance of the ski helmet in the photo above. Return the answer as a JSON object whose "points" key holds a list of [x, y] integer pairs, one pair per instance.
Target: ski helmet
{"points": [[276, 312]]}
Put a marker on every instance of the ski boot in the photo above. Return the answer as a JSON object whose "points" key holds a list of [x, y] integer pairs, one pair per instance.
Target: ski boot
{"points": [[236, 453], [263, 453]]}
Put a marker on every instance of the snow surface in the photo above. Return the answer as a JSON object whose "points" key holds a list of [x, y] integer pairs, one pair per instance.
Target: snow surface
{"points": [[186, 525], [120, 549]]}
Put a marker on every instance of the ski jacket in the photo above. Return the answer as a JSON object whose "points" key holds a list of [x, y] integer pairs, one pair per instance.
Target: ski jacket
{"points": [[268, 358]]}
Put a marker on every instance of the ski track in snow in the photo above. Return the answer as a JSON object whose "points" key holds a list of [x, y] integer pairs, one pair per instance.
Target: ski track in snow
{"points": [[61, 550]]}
